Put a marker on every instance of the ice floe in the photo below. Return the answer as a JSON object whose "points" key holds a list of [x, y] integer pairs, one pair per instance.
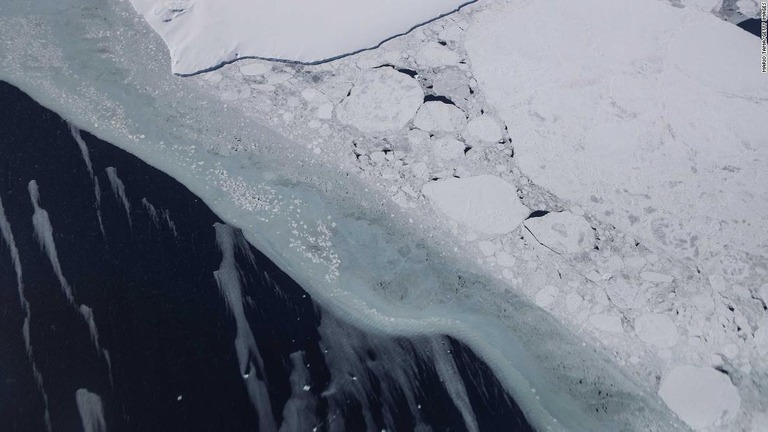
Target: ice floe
{"points": [[382, 100], [439, 116], [447, 148], [486, 203], [484, 129], [701, 396], [433, 55], [563, 232], [656, 329]]}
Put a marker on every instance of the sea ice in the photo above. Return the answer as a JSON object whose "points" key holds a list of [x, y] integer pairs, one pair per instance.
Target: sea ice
{"points": [[664, 140], [383, 100], [484, 203], [434, 55], [657, 330], [607, 322], [563, 232], [439, 116], [447, 148], [484, 129], [700, 396]]}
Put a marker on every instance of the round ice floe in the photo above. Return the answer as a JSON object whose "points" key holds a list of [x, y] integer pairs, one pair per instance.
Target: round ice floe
{"points": [[433, 55], [606, 322], [439, 116], [547, 295], [453, 84], [699, 396], [448, 148], [382, 100], [484, 203], [484, 129], [562, 232], [657, 330]]}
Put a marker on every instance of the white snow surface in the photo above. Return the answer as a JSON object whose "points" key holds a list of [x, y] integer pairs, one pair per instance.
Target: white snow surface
{"points": [[203, 34], [700, 396], [485, 203]]}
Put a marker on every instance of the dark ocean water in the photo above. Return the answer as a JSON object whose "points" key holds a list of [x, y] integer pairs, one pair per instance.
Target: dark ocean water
{"points": [[131, 329], [751, 25]]}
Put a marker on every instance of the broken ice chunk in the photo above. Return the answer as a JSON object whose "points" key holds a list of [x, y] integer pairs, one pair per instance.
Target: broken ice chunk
{"points": [[562, 232], [656, 277], [438, 116], [547, 295], [484, 203], [484, 129], [382, 100], [605, 322], [699, 396], [447, 148], [657, 330], [434, 55]]}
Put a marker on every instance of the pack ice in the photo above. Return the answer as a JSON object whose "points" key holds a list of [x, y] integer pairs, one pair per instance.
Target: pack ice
{"points": [[292, 30]]}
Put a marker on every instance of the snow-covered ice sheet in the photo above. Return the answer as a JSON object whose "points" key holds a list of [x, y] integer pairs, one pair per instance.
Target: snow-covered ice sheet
{"points": [[203, 34]]}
